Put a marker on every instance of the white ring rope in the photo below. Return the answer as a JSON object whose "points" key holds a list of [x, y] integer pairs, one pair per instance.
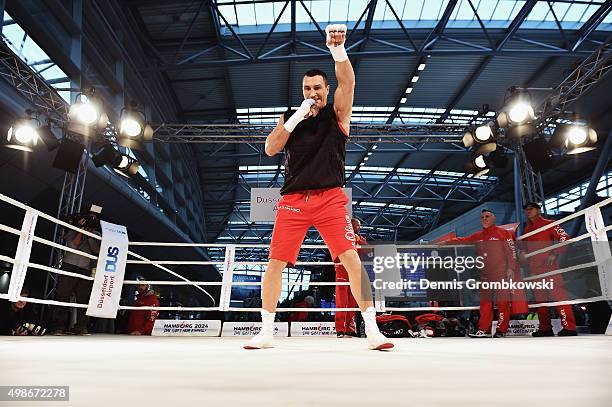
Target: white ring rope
{"points": [[52, 302], [7, 259], [402, 309], [567, 302], [567, 218], [220, 263], [130, 307], [47, 217], [173, 273], [567, 269], [9, 229], [87, 233], [66, 248], [562, 244], [160, 282], [176, 262], [159, 264], [235, 283], [60, 271]]}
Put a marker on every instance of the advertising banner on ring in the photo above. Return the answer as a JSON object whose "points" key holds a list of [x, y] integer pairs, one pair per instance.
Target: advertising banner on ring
{"points": [[252, 328], [192, 327], [595, 226], [524, 327], [313, 329], [264, 200], [22, 256], [106, 291]]}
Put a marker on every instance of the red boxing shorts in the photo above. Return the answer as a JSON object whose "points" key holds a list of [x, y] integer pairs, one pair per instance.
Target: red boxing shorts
{"points": [[325, 209]]}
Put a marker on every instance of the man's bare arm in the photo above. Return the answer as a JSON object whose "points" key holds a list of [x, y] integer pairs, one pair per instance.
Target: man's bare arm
{"points": [[343, 97], [276, 140]]}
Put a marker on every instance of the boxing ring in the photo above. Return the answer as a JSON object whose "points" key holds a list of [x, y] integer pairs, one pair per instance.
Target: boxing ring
{"points": [[157, 370]]}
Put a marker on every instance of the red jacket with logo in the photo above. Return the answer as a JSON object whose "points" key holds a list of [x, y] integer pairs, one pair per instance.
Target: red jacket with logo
{"points": [[541, 240], [499, 259], [143, 321]]}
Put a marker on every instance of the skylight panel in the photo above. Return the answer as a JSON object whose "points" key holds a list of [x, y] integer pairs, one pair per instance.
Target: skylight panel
{"points": [[539, 12], [463, 11], [356, 9], [319, 10], [301, 16], [264, 13], [229, 12], [433, 9], [560, 9], [382, 12], [286, 17], [486, 8], [412, 9], [338, 10], [506, 10], [33, 55], [576, 12], [246, 14]]}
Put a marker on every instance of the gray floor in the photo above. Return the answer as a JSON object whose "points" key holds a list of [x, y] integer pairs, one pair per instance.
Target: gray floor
{"points": [[177, 372]]}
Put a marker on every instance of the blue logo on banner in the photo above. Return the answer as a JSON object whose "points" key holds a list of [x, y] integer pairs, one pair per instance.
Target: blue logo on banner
{"points": [[111, 260]]}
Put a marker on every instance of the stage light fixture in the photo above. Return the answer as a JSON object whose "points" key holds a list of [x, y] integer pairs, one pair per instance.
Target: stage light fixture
{"points": [[133, 129], [577, 135], [23, 134], [480, 135], [86, 115], [477, 166], [483, 133], [121, 163], [575, 138], [520, 112]]}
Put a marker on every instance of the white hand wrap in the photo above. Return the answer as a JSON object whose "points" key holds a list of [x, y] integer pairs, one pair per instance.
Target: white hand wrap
{"points": [[338, 52], [299, 115]]}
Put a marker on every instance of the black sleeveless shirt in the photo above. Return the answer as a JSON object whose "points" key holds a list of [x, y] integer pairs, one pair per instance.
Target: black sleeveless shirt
{"points": [[315, 153]]}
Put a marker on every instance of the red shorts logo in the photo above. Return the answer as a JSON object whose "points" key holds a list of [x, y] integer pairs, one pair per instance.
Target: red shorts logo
{"points": [[350, 233], [289, 208]]}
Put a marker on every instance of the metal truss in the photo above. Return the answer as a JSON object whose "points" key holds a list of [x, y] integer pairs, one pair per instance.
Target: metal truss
{"points": [[531, 187], [256, 134], [71, 198], [31, 86], [430, 187], [554, 108], [589, 72], [264, 47]]}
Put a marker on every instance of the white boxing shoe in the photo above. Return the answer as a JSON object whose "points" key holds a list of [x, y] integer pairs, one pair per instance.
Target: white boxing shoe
{"points": [[262, 340], [265, 338], [378, 341]]}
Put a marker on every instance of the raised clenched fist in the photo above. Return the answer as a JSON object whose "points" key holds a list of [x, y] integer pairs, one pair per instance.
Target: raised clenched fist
{"points": [[336, 35]]}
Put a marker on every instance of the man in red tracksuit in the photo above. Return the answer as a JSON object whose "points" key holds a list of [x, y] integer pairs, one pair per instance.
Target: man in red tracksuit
{"points": [[345, 320], [499, 263], [543, 263], [141, 322]]}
